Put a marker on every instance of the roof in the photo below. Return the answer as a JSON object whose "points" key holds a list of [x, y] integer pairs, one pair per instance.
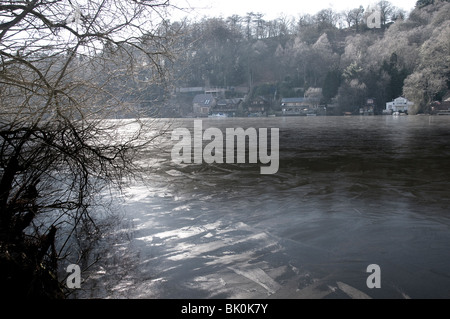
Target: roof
{"points": [[400, 101], [294, 100], [400, 98], [205, 99], [234, 101], [259, 97]]}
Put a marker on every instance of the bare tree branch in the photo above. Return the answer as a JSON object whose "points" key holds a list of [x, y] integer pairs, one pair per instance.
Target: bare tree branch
{"points": [[63, 81]]}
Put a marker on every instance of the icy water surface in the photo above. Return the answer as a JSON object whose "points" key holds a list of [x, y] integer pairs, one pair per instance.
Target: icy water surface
{"points": [[350, 192]]}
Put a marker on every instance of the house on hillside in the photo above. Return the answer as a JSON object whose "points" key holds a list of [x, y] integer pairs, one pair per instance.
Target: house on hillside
{"points": [[226, 107], [441, 107], [369, 108], [399, 105], [258, 106], [203, 103], [295, 106]]}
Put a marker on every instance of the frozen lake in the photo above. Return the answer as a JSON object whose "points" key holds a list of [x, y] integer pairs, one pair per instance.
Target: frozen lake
{"points": [[350, 192]]}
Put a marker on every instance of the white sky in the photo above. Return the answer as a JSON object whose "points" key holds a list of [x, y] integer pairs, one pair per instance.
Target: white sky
{"points": [[272, 9]]}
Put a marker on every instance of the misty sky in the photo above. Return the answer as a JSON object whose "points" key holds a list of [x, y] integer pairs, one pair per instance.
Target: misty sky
{"points": [[273, 9]]}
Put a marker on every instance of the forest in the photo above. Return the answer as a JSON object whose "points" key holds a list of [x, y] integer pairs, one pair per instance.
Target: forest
{"points": [[408, 55]]}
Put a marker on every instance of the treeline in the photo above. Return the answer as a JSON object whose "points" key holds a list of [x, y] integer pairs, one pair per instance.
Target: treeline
{"points": [[336, 51]]}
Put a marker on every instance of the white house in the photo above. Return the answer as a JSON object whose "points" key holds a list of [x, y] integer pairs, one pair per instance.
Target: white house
{"points": [[400, 104]]}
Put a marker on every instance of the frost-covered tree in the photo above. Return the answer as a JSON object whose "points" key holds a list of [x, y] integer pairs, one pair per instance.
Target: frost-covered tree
{"points": [[430, 80]]}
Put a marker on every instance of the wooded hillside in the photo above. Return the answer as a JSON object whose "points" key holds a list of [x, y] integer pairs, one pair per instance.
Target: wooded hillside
{"points": [[336, 51]]}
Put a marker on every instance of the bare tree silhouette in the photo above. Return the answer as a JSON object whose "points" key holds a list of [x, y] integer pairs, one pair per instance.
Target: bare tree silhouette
{"points": [[66, 68]]}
